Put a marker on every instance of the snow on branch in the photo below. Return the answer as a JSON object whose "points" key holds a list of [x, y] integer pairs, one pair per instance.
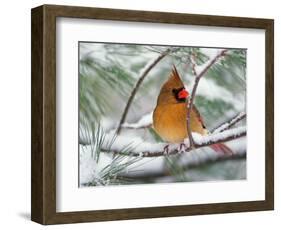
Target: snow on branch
{"points": [[144, 122], [139, 148], [196, 82], [230, 123], [226, 135], [144, 73]]}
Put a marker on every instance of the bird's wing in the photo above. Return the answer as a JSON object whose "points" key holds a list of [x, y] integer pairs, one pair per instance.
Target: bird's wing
{"points": [[219, 147], [197, 122], [200, 118]]}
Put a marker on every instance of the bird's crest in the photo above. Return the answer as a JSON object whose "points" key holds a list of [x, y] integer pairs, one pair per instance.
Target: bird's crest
{"points": [[174, 80], [175, 74]]}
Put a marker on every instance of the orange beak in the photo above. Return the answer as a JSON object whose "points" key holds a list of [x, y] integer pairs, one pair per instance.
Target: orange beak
{"points": [[183, 94]]}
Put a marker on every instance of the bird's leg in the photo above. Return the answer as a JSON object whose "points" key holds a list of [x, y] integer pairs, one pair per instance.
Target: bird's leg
{"points": [[182, 147], [166, 149]]}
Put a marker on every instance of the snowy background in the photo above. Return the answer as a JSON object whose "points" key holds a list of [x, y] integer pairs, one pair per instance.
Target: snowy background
{"points": [[107, 75]]}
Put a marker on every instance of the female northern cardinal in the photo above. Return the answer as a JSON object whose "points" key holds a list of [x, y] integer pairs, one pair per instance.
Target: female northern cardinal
{"points": [[170, 114]]}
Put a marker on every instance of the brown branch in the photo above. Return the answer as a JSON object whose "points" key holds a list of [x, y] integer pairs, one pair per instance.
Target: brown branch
{"points": [[135, 89], [197, 79], [230, 123], [228, 136]]}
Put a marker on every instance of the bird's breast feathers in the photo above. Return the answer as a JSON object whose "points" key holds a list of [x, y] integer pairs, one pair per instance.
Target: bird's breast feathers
{"points": [[170, 123]]}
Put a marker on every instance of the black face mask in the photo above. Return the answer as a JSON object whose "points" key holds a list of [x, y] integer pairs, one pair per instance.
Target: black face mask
{"points": [[176, 94]]}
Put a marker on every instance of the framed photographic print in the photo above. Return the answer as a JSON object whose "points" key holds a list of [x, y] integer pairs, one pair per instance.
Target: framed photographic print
{"points": [[140, 114]]}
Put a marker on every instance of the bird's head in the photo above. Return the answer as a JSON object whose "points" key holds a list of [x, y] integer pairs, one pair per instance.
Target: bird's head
{"points": [[173, 90]]}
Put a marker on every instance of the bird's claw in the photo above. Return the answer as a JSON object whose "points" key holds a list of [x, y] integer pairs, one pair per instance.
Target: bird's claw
{"points": [[182, 147], [166, 150]]}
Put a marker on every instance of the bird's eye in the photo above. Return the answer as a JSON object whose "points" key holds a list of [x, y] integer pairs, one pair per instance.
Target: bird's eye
{"points": [[174, 91]]}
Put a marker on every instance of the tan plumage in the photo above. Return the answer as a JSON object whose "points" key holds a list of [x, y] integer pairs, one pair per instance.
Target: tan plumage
{"points": [[170, 114], [169, 122]]}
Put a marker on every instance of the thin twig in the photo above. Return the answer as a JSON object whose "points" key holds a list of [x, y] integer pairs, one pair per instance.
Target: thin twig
{"points": [[226, 125], [228, 136], [135, 89], [197, 79]]}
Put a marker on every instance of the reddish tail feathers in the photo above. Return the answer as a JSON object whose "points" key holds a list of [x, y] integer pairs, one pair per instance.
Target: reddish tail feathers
{"points": [[221, 148]]}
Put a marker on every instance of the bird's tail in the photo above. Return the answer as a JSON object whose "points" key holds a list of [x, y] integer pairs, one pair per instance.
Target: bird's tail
{"points": [[222, 149]]}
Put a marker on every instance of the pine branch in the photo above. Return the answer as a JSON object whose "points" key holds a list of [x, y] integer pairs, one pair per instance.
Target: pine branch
{"points": [[226, 125], [197, 79], [144, 122], [137, 85], [135, 126], [201, 141]]}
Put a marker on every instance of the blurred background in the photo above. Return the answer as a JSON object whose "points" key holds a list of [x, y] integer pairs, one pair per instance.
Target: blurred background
{"points": [[107, 76]]}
